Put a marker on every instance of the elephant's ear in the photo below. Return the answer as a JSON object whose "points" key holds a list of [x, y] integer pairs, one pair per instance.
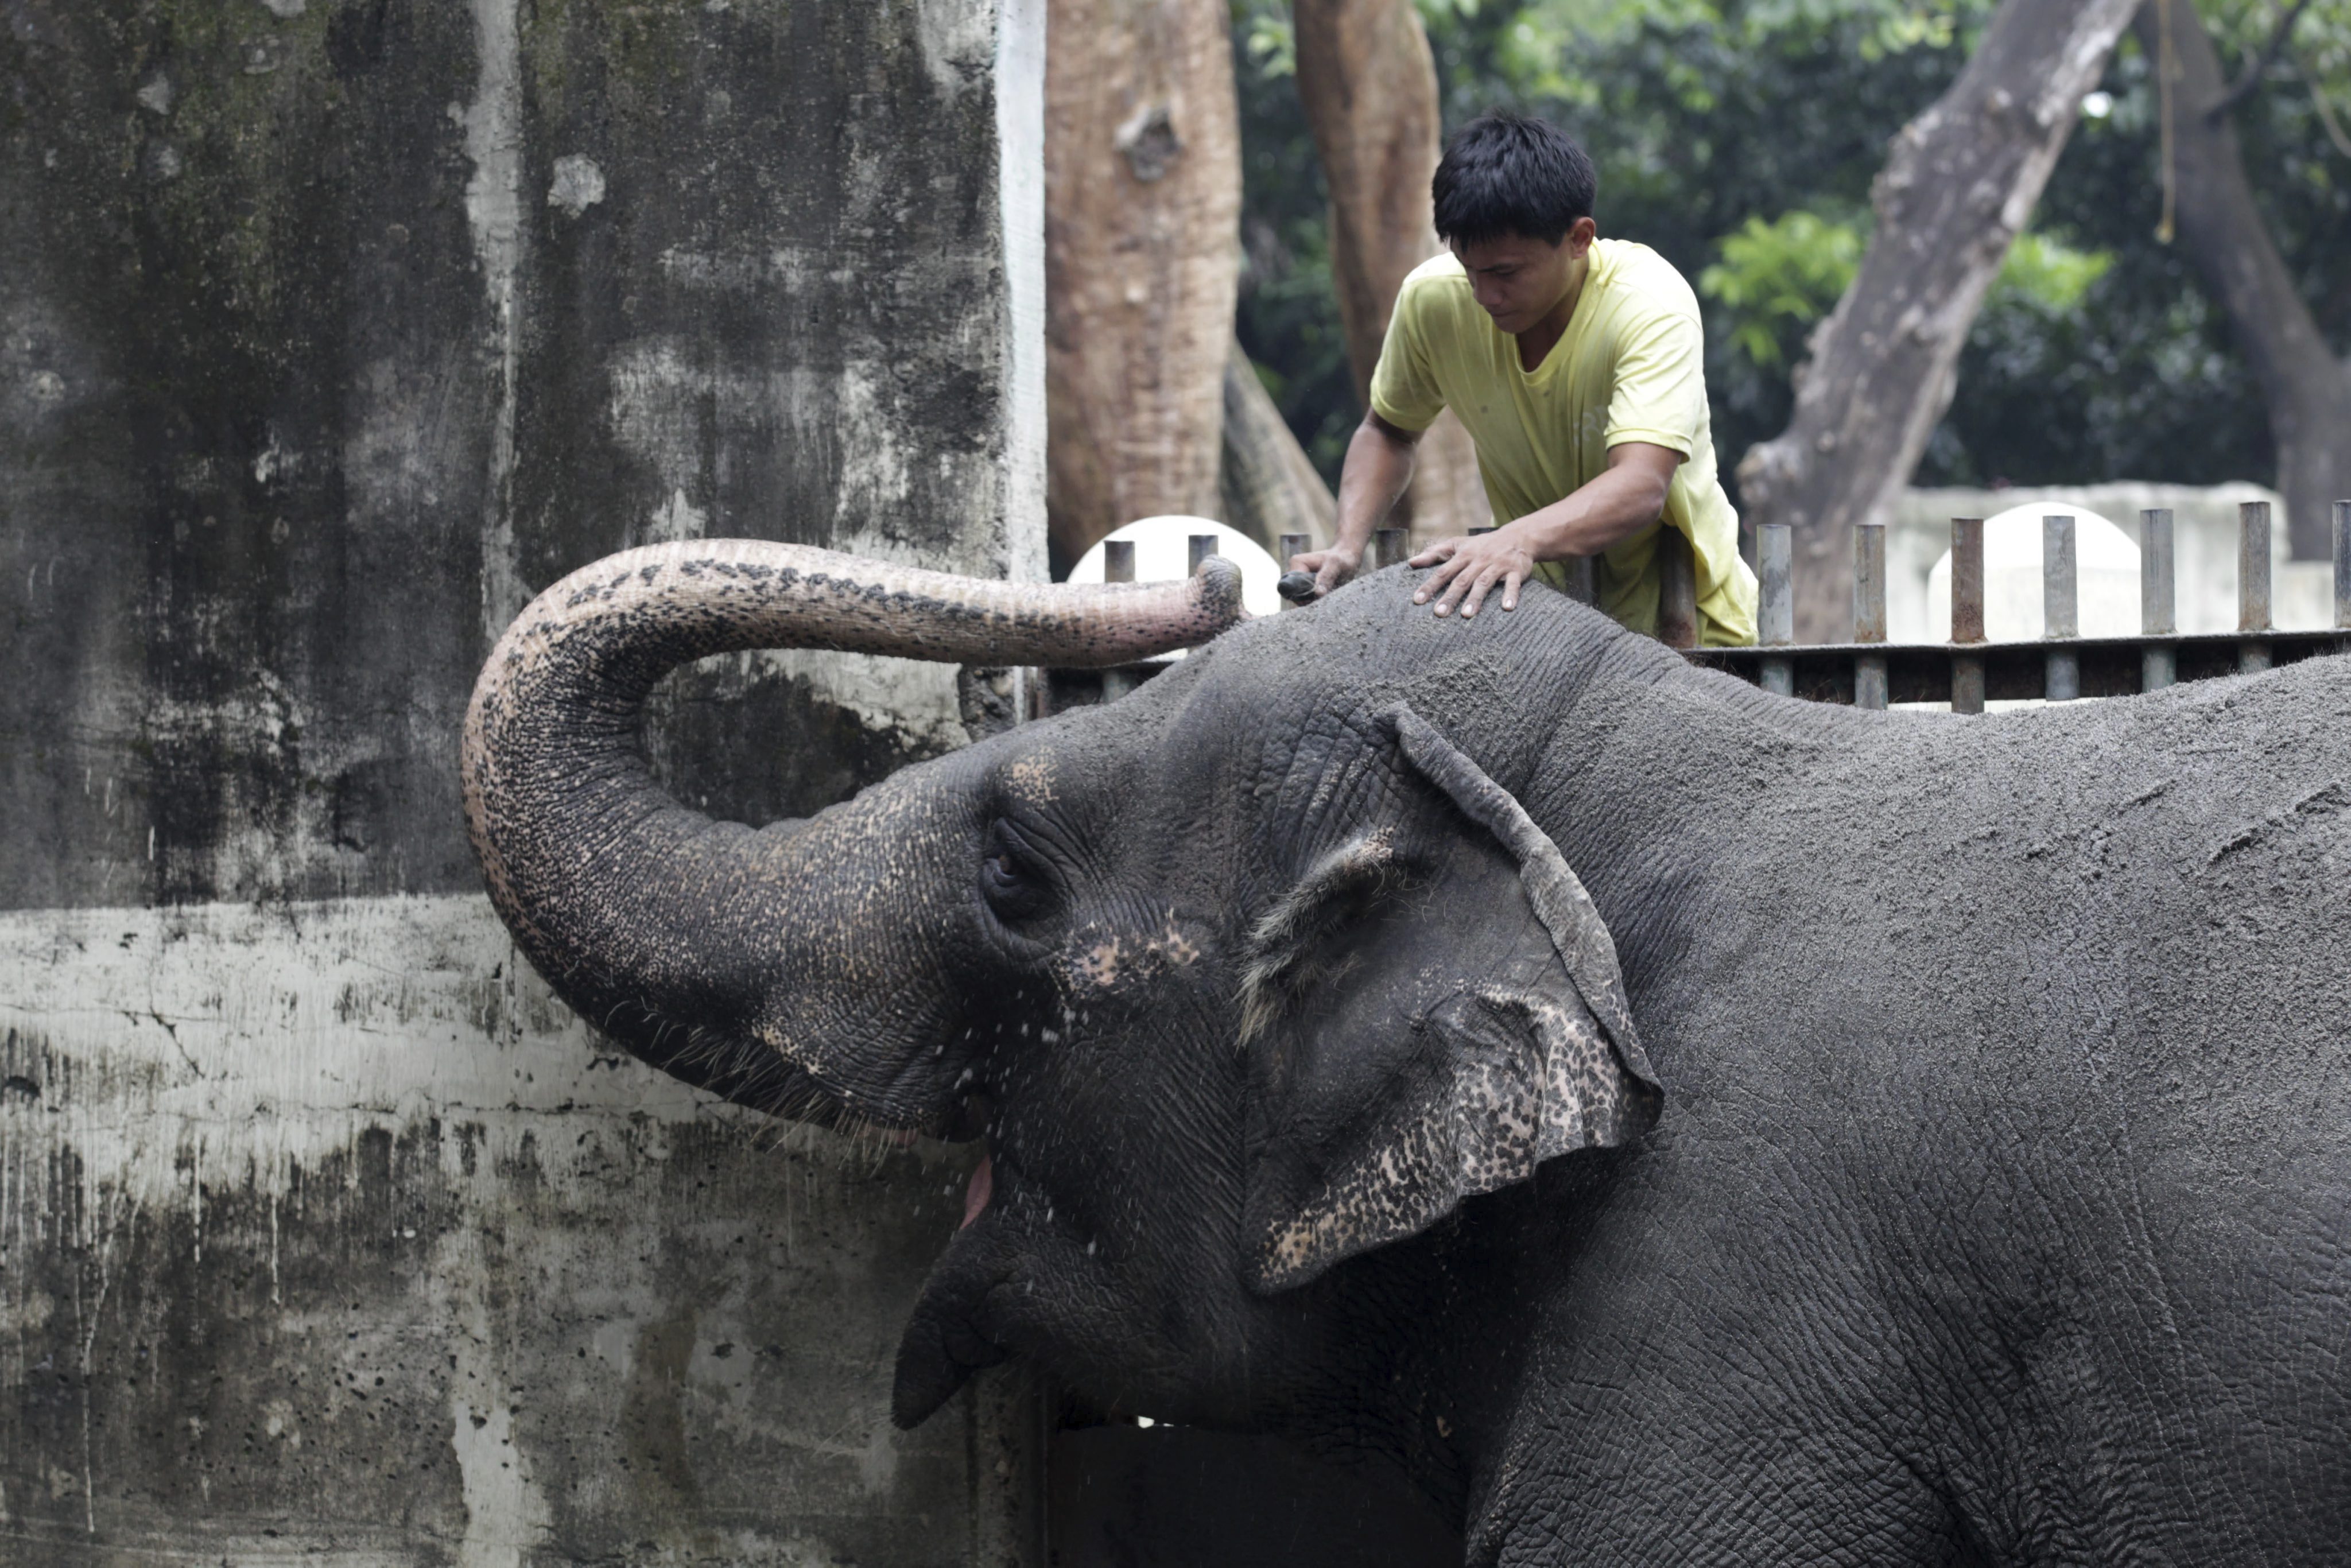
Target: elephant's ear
{"points": [[1431, 1011]]}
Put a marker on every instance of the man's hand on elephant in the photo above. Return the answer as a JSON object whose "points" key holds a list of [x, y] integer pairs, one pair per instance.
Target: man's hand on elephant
{"points": [[1474, 565], [1331, 567]]}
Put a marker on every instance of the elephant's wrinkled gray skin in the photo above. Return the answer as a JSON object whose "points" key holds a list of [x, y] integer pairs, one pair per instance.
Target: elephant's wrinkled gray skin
{"points": [[1996, 1207]]}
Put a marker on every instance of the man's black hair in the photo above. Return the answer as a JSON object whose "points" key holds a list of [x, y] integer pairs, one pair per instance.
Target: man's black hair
{"points": [[1506, 174]]}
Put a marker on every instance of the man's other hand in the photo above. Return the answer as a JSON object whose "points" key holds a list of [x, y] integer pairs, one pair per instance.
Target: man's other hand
{"points": [[1474, 565], [1331, 567]]}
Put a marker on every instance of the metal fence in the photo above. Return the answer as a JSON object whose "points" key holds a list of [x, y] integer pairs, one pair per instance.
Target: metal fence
{"points": [[1871, 672], [2062, 666]]}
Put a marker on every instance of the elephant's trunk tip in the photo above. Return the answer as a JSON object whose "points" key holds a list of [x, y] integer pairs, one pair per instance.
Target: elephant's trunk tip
{"points": [[1220, 593]]}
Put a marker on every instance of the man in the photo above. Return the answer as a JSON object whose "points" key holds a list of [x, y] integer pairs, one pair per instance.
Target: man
{"points": [[1576, 363]]}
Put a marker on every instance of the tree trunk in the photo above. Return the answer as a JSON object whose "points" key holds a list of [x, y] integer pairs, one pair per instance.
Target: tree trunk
{"points": [[1958, 185], [1142, 190], [1268, 484], [1369, 87], [2308, 395]]}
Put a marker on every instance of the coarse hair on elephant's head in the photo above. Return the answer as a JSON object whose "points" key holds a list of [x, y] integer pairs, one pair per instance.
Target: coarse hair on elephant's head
{"points": [[1250, 972]]}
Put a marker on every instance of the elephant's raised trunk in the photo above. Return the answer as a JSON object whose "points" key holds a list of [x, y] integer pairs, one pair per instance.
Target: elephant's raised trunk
{"points": [[643, 913]]}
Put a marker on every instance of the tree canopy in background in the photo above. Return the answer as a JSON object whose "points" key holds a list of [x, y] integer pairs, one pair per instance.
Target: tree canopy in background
{"points": [[1740, 139]]}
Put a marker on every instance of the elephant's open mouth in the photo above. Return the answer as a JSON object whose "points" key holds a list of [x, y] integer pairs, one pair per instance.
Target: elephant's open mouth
{"points": [[969, 1121], [965, 1122]]}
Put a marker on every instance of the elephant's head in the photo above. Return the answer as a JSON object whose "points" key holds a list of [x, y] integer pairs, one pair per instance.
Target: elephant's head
{"points": [[1256, 970]]}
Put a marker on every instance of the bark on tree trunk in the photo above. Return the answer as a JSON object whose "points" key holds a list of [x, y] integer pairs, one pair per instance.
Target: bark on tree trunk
{"points": [[1369, 87], [2309, 395], [1958, 185], [1143, 192], [1268, 484]]}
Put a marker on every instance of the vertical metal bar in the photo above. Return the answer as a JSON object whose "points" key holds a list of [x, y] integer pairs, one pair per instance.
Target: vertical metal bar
{"points": [[2157, 600], [1775, 620], [1967, 580], [1388, 547], [2342, 565], [2159, 667], [1580, 586], [1869, 583], [1197, 549], [1118, 566], [2060, 607], [1869, 614], [2254, 582], [2253, 567], [1676, 590], [1967, 614]]}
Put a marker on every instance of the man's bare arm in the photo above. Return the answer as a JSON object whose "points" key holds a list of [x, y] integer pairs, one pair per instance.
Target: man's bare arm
{"points": [[1620, 502], [1379, 465]]}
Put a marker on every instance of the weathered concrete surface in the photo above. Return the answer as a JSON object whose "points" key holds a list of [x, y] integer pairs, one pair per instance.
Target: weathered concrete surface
{"points": [[332, 330], [325, 1240], [328, 330]]}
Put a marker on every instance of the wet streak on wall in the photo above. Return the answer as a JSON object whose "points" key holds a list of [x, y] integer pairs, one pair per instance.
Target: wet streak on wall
{"points": [[334, 328], [330, 331]]}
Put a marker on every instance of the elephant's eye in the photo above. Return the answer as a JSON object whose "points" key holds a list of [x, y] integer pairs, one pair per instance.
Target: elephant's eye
{"points": [[1010, 879]]}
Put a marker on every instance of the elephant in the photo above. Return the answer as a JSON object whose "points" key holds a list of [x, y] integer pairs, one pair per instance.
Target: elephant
{"points": [[1672, 1123]]}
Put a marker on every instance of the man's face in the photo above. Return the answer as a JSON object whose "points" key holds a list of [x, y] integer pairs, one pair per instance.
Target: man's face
{"points": [[1518, 280]]}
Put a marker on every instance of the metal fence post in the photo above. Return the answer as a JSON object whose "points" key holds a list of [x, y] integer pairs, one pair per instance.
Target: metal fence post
{"points": [[2060, 608], [2252, 583], [1388, 547], [1775, 618], [2342, 565], [1197, 549], [1580, 586], [2159, 667], [1869, 614], [1967, 614], [1118, 566], [1676, 590]]}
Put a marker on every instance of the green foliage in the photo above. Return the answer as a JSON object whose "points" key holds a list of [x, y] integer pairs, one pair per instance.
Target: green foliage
{"points": [[1775, 279], [1266, 38], [1547, 49], [2045, 274]]}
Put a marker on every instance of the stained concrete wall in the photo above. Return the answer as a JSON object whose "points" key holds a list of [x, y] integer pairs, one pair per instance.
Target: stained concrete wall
{"points": [[330, 330]]}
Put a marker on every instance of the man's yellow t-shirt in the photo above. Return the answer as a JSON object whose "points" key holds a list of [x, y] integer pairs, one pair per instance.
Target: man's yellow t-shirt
{"points": [[1630, 367]]}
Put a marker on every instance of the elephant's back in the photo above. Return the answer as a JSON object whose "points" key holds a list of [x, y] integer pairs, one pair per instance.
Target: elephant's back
{"points": [[2163, 882], [2048, 1016]]}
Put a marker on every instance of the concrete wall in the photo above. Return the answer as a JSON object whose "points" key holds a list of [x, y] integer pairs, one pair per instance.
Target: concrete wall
{"points": [[330, 330]]}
